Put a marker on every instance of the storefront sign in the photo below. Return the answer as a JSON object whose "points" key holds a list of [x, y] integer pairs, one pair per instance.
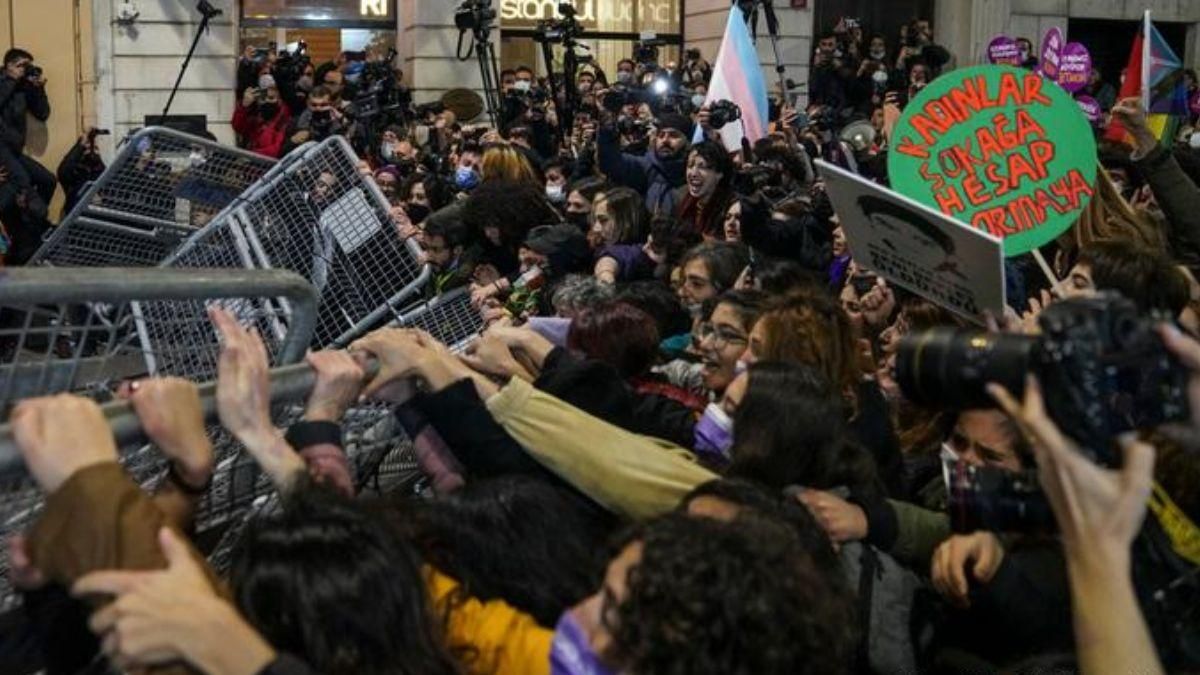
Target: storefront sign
{"points": [[1052, 46], [373, 8], [1000, 149], [368, 13], [592, 13], [1076, 67], [917, 248], [1003, 50]]}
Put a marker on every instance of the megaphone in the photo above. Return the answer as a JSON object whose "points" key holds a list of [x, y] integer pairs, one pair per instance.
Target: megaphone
{"points": [[860, 135]]}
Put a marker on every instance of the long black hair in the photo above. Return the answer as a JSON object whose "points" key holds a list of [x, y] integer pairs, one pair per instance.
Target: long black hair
{"points": [[537, 546], [335, 585], [806, 442]]}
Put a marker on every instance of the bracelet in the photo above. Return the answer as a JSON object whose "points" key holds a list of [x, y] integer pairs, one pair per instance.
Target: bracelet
{"points": [[306, 434], [184, 486]]}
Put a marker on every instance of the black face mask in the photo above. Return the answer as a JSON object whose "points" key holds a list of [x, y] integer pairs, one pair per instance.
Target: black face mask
{"points": [[269, 110], [578, 219], [322, 115], [417, 213]]}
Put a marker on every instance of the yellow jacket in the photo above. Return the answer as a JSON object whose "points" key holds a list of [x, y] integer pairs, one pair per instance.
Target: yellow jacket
{"points": [[492, 637], [633, 475]]}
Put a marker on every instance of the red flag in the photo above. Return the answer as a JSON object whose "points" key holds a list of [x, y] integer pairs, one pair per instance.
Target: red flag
{"points": [[1130, 87]]}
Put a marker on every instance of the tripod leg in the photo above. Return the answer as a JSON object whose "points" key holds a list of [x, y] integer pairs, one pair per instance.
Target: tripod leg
{"points": [[187, 60]]}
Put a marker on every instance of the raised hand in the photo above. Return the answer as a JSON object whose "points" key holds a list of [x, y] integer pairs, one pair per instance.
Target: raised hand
{"points": [[161, 616], [244, 400], [170, 414], [60, 435], [339, 381]]}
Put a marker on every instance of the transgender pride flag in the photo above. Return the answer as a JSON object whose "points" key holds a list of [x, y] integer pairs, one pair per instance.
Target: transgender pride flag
{"points": [[738, 77], [1155, 74]]}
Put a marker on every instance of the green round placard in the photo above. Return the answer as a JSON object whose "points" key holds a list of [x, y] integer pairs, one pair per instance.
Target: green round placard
{"points": [[999, 148]]}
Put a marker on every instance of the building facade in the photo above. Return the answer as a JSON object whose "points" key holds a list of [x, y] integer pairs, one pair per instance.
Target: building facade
{"points": [[113, 73]]}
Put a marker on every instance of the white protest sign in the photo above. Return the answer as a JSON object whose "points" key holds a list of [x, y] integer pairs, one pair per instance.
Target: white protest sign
{"points": [[916, 248]]}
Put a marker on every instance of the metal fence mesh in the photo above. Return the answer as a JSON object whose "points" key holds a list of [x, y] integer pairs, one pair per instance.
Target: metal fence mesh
{"points": [[318, 217], [162, 186], [85, 331], [449, 318]]}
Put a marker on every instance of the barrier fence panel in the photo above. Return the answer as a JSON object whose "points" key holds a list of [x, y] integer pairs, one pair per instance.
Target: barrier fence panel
{"points": [[161, 187], [85, 330], [449, 318], [319, 217]]}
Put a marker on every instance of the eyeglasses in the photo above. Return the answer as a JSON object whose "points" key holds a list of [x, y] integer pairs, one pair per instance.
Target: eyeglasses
{"points": [[721, 336]]}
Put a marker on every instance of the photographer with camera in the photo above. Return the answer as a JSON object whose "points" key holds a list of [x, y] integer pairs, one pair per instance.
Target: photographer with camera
{"points": [[320, 121], [658, 173], [262, 120], [23, 91]]}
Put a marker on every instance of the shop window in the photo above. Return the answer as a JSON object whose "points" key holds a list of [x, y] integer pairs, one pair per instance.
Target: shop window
{"points": [[611, 28]]}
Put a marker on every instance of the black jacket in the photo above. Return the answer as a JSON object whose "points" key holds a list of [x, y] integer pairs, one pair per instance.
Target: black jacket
{"points": [[17, 98]]}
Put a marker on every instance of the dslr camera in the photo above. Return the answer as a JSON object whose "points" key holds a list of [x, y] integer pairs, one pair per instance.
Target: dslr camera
{"points": [[645, 53], [1102, 367], [32, 71], [723, 112], [1103, 370]]}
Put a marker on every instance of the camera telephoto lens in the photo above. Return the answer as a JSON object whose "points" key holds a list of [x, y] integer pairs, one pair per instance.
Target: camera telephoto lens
{"points": [[952, 367]]}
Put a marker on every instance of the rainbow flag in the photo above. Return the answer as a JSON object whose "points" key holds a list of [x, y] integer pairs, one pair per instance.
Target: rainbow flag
{"points": [[738, 77], [1155, 74]]}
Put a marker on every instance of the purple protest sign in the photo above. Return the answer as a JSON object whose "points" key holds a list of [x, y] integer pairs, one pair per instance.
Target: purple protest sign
{"points": [[1076, 67], [1003, 50], [1091, 109], [1052, 46]]}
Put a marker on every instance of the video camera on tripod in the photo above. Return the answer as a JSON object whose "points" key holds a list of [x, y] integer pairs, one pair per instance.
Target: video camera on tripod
{"points": [[475, 15], [563, 30]]}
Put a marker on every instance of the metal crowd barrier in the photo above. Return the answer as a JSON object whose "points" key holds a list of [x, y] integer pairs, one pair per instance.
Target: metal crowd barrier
{"points": [[162, 186], [319, 217], [79, 329], [449, 318], [85, 330]]}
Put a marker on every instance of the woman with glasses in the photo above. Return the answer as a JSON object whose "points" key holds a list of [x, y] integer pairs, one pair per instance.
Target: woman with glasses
{"points": [[722, 338]]}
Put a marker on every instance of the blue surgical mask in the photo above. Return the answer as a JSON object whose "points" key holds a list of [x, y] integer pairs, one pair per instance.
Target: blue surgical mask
{"points": [[465, 178], [386, 152], [571, 652], [714, 435]]}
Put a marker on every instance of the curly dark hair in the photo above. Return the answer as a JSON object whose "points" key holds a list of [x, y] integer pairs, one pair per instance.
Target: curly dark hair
{"points": [[513, 207], [737, 598], [750, 496]]}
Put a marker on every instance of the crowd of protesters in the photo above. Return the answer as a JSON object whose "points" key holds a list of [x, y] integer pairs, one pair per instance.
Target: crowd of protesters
{"points": [[679, 446]]}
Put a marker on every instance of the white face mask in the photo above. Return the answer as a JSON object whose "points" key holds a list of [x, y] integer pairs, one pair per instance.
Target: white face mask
{"points": [[879, 54], [880, 77], [523, 85], [698, 100], [1194, 141], [555, 194]]}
